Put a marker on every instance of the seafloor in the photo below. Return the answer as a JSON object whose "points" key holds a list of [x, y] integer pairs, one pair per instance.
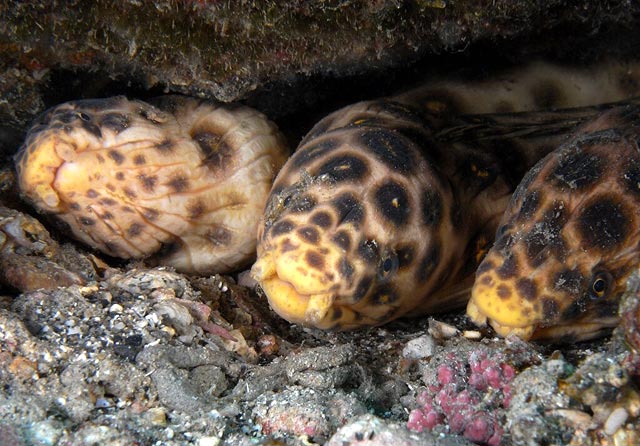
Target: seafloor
{"points": [[99, 352]]}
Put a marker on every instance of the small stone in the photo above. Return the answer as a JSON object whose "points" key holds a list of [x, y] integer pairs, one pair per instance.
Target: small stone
{"points": [[441, 330], [208, 441], [420, 347], [157, 416], [116, 308], [472, 334], [268, 345], [616, 420]]}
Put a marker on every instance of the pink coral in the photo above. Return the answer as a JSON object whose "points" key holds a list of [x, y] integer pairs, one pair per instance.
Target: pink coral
{"points": [[466, 398]]}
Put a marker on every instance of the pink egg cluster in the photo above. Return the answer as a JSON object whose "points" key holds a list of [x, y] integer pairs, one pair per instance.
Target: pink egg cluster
{"points": [[465, 398]]}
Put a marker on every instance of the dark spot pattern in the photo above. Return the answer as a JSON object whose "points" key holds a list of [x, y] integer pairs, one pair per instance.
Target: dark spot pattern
{"points": [[92, 129], [503, 291], [315, 260], [217, 152], [116, 156], [527, 289], [486, 265], [116, 122], [431, 208], [362, 288], [139, 160], [67, 116], [390, 148], [393, 203], [322, 219], [576, 170], [134, 230], [342, 239], [196, 209], [309, 234], [405, 254], [603, 224], [348, 208], [179, 183], [368, 251], [150, 214], [119, 176], [344, 168], [110, 247], [86, 221], [428, 263], [345, 268], [165, 146], [545, 237], [509, 268], [282, 227], [570, 281], [287, 245], [91, 193], [309, 153], [148, 182], [129, 192]]}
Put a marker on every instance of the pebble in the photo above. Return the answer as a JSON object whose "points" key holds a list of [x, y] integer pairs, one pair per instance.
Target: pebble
{"points": [[420, 347], [208, 441], [616, 420]]}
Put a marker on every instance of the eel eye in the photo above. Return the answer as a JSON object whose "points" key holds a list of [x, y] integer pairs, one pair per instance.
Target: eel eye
{"points": [[388, 265], [599, 284]]}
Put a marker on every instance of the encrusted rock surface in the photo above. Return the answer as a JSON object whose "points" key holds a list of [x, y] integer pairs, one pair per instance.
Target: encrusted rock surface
{"points": [[145, 355]]}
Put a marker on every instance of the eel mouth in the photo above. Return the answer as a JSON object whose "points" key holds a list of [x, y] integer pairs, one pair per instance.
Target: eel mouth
{"points": [[498, 303], [479, 317], [306, 307], [571, 331]]}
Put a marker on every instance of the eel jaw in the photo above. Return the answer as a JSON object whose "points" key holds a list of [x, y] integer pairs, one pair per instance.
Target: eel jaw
{"points": [[478, 316], [286, 301]]}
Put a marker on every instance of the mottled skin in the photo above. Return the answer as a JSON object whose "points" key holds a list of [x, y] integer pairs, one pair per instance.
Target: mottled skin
{"points": [[388, 206], [569, 238], [134, 179]]}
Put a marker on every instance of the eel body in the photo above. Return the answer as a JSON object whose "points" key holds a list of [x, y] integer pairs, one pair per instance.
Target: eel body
{"points": [[387, 207], [183, 180]]}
